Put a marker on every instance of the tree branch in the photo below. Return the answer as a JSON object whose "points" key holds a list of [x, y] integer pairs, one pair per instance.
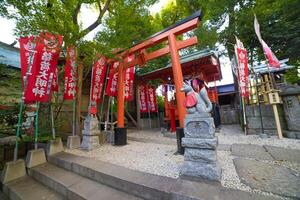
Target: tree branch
{"points": [[75, 14], [98, 21]]}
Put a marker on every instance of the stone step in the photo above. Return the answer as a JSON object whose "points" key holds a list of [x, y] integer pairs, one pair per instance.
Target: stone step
{"points": [[26, 188], [73, 186], [147, 186], [143, 185]]}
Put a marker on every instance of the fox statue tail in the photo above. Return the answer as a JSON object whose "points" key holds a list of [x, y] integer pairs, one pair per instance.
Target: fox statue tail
{"points": [[204, 96]]}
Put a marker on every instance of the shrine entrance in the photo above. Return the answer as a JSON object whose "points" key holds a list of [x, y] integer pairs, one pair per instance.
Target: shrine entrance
{"points": [[139, 55], [202, 64]]}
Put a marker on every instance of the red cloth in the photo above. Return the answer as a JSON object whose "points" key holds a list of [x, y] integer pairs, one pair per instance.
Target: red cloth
{"points": [[190, 100]]}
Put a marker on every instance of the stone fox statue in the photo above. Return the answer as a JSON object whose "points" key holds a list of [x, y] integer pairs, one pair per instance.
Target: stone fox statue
{"points": [[194, 102]]}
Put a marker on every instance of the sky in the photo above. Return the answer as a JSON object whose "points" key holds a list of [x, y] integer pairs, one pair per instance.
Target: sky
{"points": [[7, 26]]}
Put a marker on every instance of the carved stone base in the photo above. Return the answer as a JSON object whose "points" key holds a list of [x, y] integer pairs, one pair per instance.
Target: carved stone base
{"points": [[202, 170], [90, 142], [200, 143], [90, 139]]}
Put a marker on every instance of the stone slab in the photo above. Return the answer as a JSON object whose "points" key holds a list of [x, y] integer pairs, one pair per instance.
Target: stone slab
{"points": [[88, 189], [199, 143], [267, 177], [250, 151], [143, 185], [54, 177], [224, 147], [35, 157], [55, 146], [200, 155], [147, 186], [26, 188], [13, 170], [195, 127], [205, 171], [279, 153], [191, 190], [73, 142], [73, 186]]}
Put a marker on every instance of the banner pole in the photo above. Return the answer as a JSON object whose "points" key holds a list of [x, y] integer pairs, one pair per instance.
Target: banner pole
{"points": [[36, 125], [148, 105], [18, 131], [104, 89], [19, 125], [52, 121], [74, 117]]}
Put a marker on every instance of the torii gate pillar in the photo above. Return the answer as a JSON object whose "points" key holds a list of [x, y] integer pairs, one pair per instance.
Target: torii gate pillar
{"points": [[178, 79]]}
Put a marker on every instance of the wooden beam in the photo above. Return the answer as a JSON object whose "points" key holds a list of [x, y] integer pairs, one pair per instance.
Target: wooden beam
{"points": [[180, 45]]}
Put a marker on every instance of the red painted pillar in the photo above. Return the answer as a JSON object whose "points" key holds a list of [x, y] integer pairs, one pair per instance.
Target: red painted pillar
{"points": [[120, 99], [178, 79]]}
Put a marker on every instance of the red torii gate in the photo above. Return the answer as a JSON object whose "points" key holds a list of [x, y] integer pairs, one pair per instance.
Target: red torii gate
{"points": [[141, 56]]}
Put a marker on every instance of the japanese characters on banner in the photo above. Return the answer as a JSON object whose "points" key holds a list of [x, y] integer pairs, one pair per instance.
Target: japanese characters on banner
{"points": [[152, 99], [111, 88], [70, 74], [99, 72], [129, 77], [45, 60], [143, 98], [55, 81], [26, 54], [243, 71], [147, 99]]}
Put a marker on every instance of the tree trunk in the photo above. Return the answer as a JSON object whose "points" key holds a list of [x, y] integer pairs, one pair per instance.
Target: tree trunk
{"points": [[79, 98]]}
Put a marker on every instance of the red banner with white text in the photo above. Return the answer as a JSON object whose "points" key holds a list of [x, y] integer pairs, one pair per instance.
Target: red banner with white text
{"points": [[143, 98], [27, 45], [70, 74], [39, 85], [99, 72], [129, 78], [111, 87], [152, 99], [243, 71]]}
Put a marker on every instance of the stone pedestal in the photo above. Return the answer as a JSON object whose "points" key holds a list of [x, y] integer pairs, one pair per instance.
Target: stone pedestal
{"points": [[55, 146], [13, 170], [200, 143], [73, 142], [35, 157], [90, 134]]}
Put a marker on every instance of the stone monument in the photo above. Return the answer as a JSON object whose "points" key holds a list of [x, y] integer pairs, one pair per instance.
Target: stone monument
{"points": [[91, 132], [200, 143]]}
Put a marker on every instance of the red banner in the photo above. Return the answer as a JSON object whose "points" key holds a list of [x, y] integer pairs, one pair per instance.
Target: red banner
{"points": [[129, 89], [152, 99], [111, 88], [243, 71], [55, 81], [70, 74], [26, 54], [44, 64], [99, 72], [143, 98]]}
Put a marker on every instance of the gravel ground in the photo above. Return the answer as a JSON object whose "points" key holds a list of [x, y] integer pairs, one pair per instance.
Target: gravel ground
{"points": [[156, 157], [232, 134], [147, 157]]}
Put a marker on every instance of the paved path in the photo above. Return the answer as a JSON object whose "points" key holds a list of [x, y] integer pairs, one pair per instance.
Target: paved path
{"points": [[267, 177], [255, 167]]}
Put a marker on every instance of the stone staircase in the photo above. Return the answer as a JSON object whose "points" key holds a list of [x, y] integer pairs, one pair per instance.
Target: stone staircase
{"points": [[67, 176]]}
